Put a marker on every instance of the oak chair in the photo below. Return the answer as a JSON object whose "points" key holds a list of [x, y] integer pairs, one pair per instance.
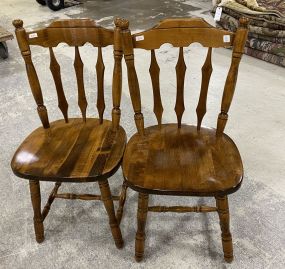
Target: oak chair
{"points": [[180, 159], [72, 149]]}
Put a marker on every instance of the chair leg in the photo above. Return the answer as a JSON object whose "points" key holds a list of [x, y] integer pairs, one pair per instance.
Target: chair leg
{"points": [[109, 205], [141, 221], [122, 202], [224, 215], [36, 202]]}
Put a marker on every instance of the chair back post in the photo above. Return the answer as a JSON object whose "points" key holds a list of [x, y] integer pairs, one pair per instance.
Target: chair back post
{"points": [[230, 84], [117, 75], [31, 72], [134, 89]]}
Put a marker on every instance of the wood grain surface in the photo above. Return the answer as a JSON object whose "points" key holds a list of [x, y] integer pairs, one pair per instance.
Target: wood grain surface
{"points": [[168, 160], [74, 151]]}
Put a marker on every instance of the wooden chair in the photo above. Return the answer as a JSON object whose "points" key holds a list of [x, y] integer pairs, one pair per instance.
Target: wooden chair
{"points": [[72, 149], [180, 159]]}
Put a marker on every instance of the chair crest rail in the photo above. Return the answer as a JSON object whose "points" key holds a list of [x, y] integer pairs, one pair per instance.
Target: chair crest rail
{"points": [[192, 30], [75, 33]]}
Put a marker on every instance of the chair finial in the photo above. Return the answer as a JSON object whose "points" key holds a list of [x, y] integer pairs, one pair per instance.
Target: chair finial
{"points": [[243, 22], [18, 23], [122, 23]]}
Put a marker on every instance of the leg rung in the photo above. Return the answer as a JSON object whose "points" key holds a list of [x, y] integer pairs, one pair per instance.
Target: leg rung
{"points": [[50, 200], [73, 196], [182, 209]]}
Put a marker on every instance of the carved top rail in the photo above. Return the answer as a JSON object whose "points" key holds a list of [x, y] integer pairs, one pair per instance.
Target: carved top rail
{"points": [[75, 32], [191, 29]]}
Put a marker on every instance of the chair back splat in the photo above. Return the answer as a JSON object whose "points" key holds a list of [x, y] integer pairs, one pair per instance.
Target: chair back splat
{"points": [[74, 33], [181, 33]]}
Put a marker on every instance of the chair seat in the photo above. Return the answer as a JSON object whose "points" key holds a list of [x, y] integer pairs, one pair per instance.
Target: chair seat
{"points": [[71, 152], [168, 160]]}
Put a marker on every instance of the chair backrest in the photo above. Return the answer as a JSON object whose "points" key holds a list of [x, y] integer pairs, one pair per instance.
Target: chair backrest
{"points": [[181, 33], [75, 33]]}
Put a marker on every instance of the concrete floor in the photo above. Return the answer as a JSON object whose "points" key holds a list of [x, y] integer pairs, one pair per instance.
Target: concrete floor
{"points": [[77, 233]]}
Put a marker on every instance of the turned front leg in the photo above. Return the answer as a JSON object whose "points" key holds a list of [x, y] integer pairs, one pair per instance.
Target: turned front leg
{"points": [[109, 205], [224, 215], [122, 201], [36, 202], [141, 221]]}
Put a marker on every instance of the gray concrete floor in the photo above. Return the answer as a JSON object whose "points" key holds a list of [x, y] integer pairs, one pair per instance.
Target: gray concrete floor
{"points": [[256, 124]]}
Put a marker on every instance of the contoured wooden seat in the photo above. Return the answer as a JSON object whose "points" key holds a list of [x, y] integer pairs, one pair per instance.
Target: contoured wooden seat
{"points": [[176, 158], [182, 161], [72, 149]]}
